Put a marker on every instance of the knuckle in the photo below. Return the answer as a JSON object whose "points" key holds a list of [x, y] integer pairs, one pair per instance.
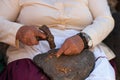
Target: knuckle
{"points": [[69, 40], [36, 43]]}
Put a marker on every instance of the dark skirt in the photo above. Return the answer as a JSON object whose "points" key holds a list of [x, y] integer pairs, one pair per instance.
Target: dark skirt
{"points": [[23, 69]]}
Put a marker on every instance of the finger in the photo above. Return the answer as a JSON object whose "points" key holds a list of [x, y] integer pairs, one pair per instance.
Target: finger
{"points": [[61, 50], [41, 35], [68, 52], [32, 41]]}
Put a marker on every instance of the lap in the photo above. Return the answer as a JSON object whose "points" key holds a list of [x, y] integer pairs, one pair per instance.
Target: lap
{"points": [[103, 69], [23, 69]]}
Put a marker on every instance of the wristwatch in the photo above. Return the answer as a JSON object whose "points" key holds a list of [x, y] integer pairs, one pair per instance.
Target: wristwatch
{"points": [[86, 39]]}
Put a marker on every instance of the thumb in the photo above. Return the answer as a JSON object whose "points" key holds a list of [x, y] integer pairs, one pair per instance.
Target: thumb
{"points": [[40, 35]]}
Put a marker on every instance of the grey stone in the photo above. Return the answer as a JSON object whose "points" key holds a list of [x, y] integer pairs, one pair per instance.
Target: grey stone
{"points": [[75, 67]]}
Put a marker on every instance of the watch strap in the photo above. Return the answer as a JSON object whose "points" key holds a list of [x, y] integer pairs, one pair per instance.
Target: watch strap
{"points": [[82, 35]]}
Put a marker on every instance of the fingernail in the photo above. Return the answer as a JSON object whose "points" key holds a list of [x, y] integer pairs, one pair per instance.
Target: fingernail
{"points": [[57, 56]]}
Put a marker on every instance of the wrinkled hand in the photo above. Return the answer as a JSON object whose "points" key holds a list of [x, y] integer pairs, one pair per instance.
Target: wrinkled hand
{"points": [[27, 35], [71, 46]]}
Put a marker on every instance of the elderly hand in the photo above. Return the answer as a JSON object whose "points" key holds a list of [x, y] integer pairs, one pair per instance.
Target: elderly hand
{"points": [[27, 35], [71, 46]]}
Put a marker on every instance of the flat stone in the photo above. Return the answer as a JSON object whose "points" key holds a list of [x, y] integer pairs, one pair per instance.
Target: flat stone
{"points": [[75, 67]]}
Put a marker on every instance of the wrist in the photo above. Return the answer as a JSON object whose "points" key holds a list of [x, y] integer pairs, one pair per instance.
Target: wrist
{"points": [[86, 39]]}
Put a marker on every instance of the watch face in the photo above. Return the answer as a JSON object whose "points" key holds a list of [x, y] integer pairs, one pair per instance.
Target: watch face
{"points": [[90, 43], [87, 39]]}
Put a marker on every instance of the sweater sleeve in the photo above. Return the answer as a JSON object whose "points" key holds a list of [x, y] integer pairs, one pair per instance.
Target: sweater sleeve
{"points": [[9, 10], [103, 22]]}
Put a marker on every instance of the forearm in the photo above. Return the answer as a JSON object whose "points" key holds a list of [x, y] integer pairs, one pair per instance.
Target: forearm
{"points": [[103, 22], [9, 11], [8, 32], [99, 30]]}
